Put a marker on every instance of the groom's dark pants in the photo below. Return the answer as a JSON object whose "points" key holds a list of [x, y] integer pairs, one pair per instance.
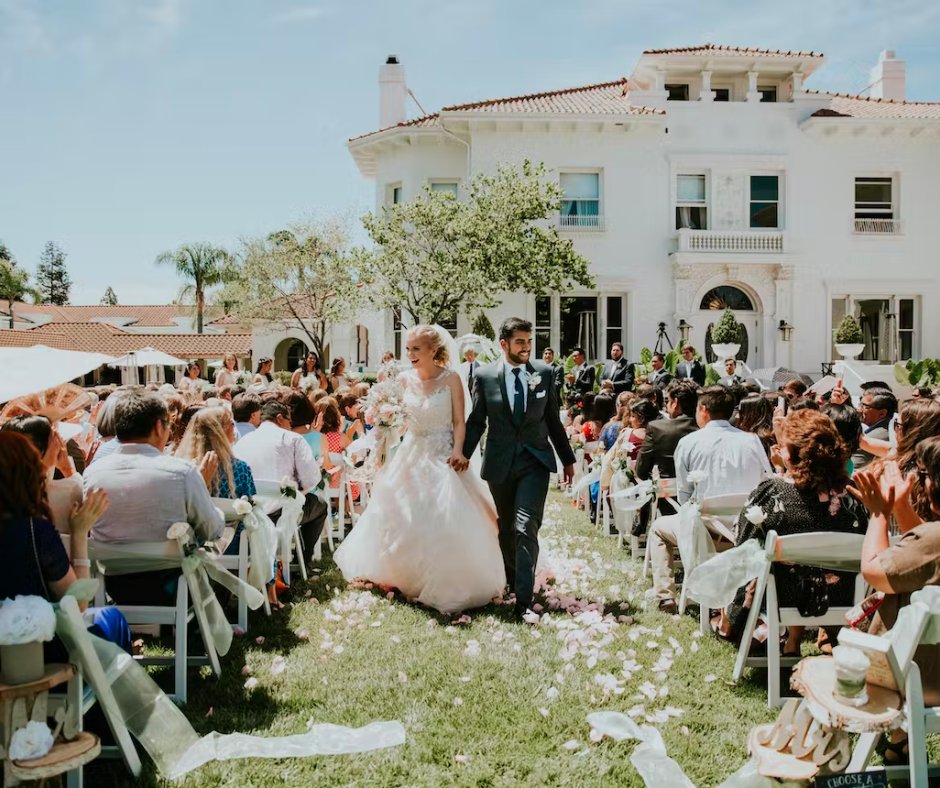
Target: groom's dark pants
{"points": [[520, 500]]}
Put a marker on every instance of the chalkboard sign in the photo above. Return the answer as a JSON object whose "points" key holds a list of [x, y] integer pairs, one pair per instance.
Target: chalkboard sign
{"points": [[875, 779]]}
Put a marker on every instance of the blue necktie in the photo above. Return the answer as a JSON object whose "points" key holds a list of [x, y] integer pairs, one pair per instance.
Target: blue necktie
{"points": [[518, 400]]}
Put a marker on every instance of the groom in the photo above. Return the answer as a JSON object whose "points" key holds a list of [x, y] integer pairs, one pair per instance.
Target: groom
{"points": [[516, 399]]}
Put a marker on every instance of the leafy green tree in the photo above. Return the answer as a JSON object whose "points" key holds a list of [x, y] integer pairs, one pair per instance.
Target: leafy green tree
{"points": [[15, 286], [436, 255], [203, 266], [109, 298], [6, 254], [303, 277], [52, 277]]}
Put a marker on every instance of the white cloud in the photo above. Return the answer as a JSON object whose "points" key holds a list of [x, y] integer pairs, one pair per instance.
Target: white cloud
{"points": [[300, 14]]}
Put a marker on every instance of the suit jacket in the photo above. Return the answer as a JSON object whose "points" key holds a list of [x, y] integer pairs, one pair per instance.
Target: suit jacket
{"points": [[660, 378], [465, 373], [584, 381], [558, 380], [659, 446], [541, 427], [620, 373], [862, 458], [694, 370]]}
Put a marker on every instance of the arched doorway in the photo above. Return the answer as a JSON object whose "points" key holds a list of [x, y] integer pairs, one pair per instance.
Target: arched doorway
{"points": [[289, 353], [746, 311]]}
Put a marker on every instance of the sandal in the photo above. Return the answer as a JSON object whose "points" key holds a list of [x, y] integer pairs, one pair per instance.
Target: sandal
{"points": [[895, 753]]}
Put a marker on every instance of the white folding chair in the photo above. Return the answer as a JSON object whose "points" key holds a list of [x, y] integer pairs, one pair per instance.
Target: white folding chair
{"points": [[291, 550], [922, 720], [336, 501], [78, 642], [820, 549], [349, 474], [666, 490]]}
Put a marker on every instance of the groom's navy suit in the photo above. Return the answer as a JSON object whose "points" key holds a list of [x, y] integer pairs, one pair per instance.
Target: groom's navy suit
{"points": [[517, 461]]}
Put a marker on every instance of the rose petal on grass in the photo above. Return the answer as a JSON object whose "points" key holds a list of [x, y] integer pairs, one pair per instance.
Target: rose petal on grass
{"points": [[710, 678], [251, 683], [260, 640], [571, 744], [461, 758]]}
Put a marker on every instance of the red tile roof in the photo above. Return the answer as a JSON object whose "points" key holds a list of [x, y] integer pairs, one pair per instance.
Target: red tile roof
{"points": [[865, 107], [104, 338], [143, 315], [721, 49], [425, 121]]}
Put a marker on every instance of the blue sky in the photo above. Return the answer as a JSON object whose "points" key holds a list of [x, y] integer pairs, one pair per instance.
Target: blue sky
{"points": [[128, 127]]}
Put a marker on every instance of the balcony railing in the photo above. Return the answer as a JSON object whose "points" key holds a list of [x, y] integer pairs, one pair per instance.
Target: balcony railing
{"points": [[733, 241], [581, 223], [878, 226]]}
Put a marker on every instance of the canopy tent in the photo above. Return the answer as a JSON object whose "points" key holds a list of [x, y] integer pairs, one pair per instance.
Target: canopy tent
{"points": [[148, 357], [27, 370]]}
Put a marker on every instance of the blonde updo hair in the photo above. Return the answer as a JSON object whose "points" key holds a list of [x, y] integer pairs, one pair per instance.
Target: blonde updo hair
{"points": [[429, 335]]}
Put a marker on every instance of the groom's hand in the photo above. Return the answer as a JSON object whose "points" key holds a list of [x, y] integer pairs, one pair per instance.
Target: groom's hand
{"points": [[568, 474]]}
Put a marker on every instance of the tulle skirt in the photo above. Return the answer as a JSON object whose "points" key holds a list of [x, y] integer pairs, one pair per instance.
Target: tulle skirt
{"points": [[429, 532]]}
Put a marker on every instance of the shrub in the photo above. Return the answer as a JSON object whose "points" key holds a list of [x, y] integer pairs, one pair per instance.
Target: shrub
{"points": [[849, 332], [726, 331], [483, 327], [283, 376]]}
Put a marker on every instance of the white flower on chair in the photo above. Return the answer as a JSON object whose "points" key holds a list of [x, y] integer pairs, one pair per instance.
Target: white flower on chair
{"points": [[178, 531], [241, 506], [33, 741], [755, 515], [696, 477]]}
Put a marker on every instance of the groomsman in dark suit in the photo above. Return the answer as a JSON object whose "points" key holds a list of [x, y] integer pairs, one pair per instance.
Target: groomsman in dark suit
{"points": [[558, 372], [581, 378], [469, 367], [618, 371], [690, 368], [660, 376]]}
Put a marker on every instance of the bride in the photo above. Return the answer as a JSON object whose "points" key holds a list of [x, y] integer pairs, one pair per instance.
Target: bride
{"points": [[429, 530]]}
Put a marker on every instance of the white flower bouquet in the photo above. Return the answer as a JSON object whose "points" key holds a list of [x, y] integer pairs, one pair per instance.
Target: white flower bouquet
{"points": [[31, 742], [288, 487], [383, 406]]}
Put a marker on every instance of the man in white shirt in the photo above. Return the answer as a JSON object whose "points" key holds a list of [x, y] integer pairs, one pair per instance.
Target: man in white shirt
{"points": [[730, 461], [469, 367], [274, 452]]}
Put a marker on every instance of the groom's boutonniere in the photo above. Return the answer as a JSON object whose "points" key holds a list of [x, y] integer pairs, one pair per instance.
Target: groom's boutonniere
{"points": [[534, 382]]}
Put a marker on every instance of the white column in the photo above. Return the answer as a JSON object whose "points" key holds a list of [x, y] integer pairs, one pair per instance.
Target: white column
{"points": [[752, 93], [706, 94], [659, 80], [797, 81]]}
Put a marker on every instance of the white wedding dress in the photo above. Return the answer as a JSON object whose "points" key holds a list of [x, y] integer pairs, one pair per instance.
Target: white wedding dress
{"points": [[427, 530]]}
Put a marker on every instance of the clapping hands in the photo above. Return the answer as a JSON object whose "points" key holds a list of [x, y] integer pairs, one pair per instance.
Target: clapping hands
{"points": [[208, 467], [880, 500], [85, 514]]}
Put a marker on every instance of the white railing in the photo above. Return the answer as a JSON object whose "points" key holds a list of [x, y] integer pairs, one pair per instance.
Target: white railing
{"points": [[581, 222], [878, 226], [742, 241]]}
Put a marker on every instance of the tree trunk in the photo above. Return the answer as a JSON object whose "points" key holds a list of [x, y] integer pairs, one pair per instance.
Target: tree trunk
{"points": [[10, 302], [200, 303]]}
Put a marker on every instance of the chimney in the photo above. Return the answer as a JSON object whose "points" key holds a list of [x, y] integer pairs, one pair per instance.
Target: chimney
{"points": [[887, 78], [393, 93]]}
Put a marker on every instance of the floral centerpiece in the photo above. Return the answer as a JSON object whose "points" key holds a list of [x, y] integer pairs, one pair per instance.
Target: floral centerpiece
{"points": [[26, 622]]}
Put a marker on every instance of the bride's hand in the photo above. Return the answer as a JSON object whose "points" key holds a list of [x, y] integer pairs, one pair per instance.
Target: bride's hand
{"points": [[458, 462]]}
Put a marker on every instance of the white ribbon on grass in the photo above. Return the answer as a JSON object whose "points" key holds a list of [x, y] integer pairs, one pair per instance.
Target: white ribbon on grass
{"points": [[165, 733]]}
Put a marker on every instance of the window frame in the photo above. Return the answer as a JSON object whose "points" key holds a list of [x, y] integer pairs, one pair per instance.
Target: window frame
{"points": [[669, 86], [678, 203], [894, 300], [763, 89], [393, 193], [585, 219], [779, 201], [435, 183]]}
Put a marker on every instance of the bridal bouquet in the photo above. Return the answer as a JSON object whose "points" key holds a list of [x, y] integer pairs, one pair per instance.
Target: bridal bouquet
{"points": [[384, 408]]}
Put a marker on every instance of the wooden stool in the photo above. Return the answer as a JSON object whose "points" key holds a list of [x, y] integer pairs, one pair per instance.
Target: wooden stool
{"points": [[22, 703]]}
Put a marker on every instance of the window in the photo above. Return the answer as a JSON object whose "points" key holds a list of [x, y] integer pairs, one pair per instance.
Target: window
{"points": [[768, 94], [722, 94], [889, 325], [362, 345], [677, 92], [874, 205], [581, 199], [765, 201], [727, 297], [905, 328], [578, 324], [543, 323], [614, 321], [445, 187], [690, 202], [394, 194]]}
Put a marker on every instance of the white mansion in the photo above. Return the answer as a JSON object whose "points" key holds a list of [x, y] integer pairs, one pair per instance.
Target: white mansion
{"points": [[712, 176]]}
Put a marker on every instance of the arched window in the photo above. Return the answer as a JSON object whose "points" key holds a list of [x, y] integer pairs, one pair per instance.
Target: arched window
{"points": [[727, 296], [295, 354]]}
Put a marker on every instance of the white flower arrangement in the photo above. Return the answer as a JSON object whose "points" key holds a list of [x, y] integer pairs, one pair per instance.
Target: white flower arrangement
{"points": [[241, 506], [178, 531], [26, 619], [288, 487], [697, 477], [384, 406], [755, 515], [33, 741]]}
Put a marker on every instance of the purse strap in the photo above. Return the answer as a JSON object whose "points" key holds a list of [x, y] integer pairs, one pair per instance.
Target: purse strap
{"points": [[42, 579]]}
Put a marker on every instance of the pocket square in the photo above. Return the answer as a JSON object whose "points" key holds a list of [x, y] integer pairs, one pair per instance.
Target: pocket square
{"points": [[541, 394]]}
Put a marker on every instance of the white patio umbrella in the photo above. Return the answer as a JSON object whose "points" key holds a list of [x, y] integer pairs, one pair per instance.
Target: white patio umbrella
{"points": [[27, 370], [147, 357]]}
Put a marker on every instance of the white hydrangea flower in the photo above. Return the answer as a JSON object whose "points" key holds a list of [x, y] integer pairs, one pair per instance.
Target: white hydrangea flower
{"points": [[33, 741], [755, 515], [697, 477], [26, 619]]}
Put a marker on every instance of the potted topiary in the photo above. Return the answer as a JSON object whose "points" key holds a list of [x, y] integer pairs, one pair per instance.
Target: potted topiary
{"points": [[848, 338], [725, 335]]}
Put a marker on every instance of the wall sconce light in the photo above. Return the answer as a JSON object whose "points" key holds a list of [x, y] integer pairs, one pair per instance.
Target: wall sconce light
{"points": [[786, 330], [684, 329]]}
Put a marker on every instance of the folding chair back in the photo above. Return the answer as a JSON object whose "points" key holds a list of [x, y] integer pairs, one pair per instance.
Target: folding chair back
{"points": [[290, 548], [666, 490]]}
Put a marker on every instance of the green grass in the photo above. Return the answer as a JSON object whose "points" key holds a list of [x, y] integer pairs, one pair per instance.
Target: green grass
{"points": [[391, 661]]}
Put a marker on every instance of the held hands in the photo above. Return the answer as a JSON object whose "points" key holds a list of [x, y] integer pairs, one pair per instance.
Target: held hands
{"points": [[208, 467], [85, 514], [458, 462]]}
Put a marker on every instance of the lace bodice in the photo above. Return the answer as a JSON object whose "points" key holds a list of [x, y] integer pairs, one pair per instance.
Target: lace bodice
{"points": [[429, 415]]}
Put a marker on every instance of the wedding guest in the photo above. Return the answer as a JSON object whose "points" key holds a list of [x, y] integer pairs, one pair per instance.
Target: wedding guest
{"points": [[274, 451], [149, 491], [690, 367], [213, 430], [731, 376], [581, 379], [263, 374], [469, 367], [558, 372], [177, 427], [302, 418], [849, 425], [192, 381], [338, 375], [660, 376], [621, 418], [663, 435], [794, 389], [617, 370], [876, 408], [810, 496], [755, 414], [33, 560], [227, 374], [653, 394], [106, 442], [315, 395], [352, 425], [225, 393], [387, 357], [730, 461], [246, 411], [309, 375]]}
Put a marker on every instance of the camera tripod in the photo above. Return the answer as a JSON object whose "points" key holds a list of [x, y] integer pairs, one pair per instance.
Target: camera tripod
{"points": [[662, 339]]}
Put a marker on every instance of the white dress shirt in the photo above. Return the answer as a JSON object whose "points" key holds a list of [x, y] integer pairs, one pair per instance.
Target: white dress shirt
{"points": [[273, 453], [147, 493], [511, 383], [733, 461]]}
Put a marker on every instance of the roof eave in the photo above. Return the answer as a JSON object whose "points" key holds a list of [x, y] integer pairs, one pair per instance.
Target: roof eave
{"points": [[852, 120], [363, 149]]}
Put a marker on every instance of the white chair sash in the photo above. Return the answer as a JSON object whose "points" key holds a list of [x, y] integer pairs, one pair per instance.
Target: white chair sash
{"points": [[262, 547]]}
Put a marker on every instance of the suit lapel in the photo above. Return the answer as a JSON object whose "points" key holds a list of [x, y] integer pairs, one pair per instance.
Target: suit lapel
{"points": [[501, 373]]}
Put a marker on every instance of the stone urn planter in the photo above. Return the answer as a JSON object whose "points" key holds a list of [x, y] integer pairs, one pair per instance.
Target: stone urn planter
{"points": [[849, 350], [725, 350]]}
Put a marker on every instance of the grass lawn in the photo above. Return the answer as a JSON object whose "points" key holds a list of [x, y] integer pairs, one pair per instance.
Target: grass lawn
{"points": [[489, 703]]}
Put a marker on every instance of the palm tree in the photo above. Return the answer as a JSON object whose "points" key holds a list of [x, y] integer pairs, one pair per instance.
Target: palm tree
{"points": [[203, 265], [15, 286]]}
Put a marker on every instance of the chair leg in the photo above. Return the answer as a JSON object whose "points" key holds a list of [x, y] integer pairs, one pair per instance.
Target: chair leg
{"points": [[301, 564], [773, 646], [916, 732], [749, 627], [181, 640], [243, 576], [861, 755]]}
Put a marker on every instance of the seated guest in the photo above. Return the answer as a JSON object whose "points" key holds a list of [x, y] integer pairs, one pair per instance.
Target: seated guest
{"points": [[150, 491], [908, 565], [652, 393], [642, 414], [302, 418], [602, 411], [810, 496], [107, 442], [333, 441], [793, 389], [620, 419], [274, 452], [352, 426], [246, 410], [876, 408], [33, 560], [213, 430], [755, 413], [731, 460], [849, 425], [663, 435]]}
